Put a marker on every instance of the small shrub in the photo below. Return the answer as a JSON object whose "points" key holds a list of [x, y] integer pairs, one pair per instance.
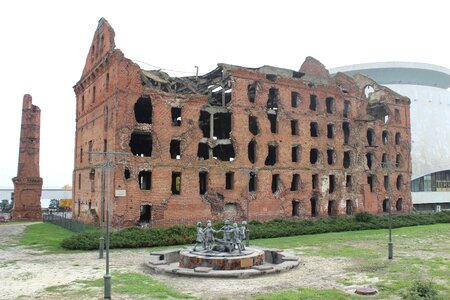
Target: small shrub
{"points": [[364, 217], [421, 290]]}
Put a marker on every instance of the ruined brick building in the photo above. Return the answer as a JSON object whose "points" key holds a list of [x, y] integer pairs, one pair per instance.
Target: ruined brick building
{"points": [[241, 143]]}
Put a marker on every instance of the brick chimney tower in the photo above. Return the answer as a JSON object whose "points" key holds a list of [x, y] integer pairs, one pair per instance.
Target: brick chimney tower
{"points": [[28, 183]]}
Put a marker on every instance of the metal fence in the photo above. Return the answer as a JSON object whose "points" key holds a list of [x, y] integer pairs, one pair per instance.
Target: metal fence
{"points": [[64, 220]]}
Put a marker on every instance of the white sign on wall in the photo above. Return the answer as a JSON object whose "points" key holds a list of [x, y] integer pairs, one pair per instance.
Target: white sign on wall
{"points": [[121, 193]]}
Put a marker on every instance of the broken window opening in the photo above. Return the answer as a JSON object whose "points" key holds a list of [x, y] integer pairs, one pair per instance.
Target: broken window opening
{"points": [[331, 156], [105, 145], [399, 204], [370, 137], [398, 160], [313, 207], [145, 180], [346, 129], [315, 181], [143, 110], [126, 173], [222, 125], [295, 153], [204, 123], [386, 118], [370, 182], [82, 103], [331, 208], [349, 207], [313, 102], [275, 183], [202, 182], [251, 150], [175, 149], [81, 154], [314, 156], [385, 205], [253, 125], [314, 129], [141, 144], [384, 160], [347, 160], [331, 183], [251, 92], [369, 158], [294, 127], [330, 131], [93, 94], [224, 152], [91, 146], [295, 99], [348, 181], [329, 101], [398, 138], [346, 111], [106, 114], [397, 115], [295, 182], [203, 151], [271, 77], [386, 183], [368, 90], [295, 208], [273, 122], [252, 182], [272, 102], [271, 158], [176, 116], [79, 181], [385, 137], [219, 97], [229, 180], [176, 183], [92, 174], [399, 182], [145, 214]]}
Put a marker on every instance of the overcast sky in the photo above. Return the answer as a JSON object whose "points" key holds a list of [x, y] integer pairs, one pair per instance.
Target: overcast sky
{"points": [[44, 45]]}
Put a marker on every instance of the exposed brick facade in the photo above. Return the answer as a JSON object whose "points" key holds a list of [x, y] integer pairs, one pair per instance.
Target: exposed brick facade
{"points": [[28, 183], [202, 129]]}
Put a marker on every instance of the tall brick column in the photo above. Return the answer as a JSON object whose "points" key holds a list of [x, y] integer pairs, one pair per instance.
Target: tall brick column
{"points": [[28, 183]]}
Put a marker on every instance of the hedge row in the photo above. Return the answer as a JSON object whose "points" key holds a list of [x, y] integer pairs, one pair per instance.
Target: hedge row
{"points": [[179, 235]]}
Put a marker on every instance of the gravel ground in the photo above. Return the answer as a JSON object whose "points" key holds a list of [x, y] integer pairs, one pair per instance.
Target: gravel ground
{"points": [[24, 272]]}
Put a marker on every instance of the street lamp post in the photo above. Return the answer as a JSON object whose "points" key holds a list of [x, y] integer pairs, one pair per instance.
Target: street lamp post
{"points": [[108, 166], [388, 165]]}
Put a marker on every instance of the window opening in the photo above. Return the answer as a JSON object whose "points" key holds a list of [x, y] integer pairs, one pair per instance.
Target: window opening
{"points": [[399, 182], [313, 102], [143, 110], [145, 213], [331, 183], [294, 127], [399, 204], [369, 158], [398, 160], [331, 156], [370, 182], [203, 151], [330, 104], [176, 183], [176, 116], [251, 92], [330, 131], [397, 115], [384, 159], [315, 181], [273, 122], [370, 137], [275, 183], [347, 160], [314, 128], [141, 144], [314, 156], [252, 182], [296, 208], [346, 111], [295, 182], [295, 153], [251, 150], [253, 125], [222, 125], [313, 207], [385, 136], [203, 182], [385, 205], [224, 152], [204, 123], [349, 207], [126, 173], [175, 149], [348, 181], [386, 183], [272, 102], [145, 180], [295, 99], [271, 158], [229, 180], [346, 129], [331, 208], [398, 138]]}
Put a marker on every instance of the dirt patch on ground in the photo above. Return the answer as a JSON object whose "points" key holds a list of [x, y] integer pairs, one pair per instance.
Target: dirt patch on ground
{"points": [[27, 273]]}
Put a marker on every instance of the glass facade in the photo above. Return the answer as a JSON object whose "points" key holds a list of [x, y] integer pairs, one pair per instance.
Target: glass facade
{"points": [[434, 182]]}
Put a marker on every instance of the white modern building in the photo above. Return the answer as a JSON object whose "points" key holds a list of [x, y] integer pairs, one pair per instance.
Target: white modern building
{"points": [[428, 88]]}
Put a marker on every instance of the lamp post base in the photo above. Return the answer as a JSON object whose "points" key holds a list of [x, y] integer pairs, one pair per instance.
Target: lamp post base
{"points": [[390, 250], [107, 281]]}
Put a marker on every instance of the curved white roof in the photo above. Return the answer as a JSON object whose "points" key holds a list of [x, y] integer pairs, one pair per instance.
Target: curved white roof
{"points": [[401, 73]]}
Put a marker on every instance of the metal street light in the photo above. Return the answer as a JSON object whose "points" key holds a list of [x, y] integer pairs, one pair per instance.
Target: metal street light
{"points": [[108, 165], [388, 166]]}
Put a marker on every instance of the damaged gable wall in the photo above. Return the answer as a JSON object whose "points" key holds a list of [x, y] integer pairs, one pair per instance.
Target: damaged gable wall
{"points": [[236, 143]]}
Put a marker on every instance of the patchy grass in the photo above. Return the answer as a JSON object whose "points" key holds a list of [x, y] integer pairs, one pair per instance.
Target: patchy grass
{"points": [[420, 252], [134, 285], [44, 237]]}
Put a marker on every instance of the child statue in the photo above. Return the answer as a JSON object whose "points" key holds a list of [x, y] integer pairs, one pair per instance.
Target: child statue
{"points": [[200, 237]]}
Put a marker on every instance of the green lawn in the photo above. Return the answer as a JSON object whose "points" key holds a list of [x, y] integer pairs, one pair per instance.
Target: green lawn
{"points": [[45, 237]]}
